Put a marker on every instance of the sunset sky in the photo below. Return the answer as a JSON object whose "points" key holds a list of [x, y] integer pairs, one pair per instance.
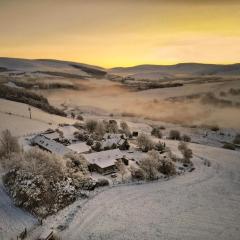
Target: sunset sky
{"points": [[112, 33]]}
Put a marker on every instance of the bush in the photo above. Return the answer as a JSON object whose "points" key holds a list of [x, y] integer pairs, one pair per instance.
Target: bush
{"points": [[102, 182], [186, 152], [137, 173], [111, 126], [89, 142], [91, 125], [156, 132], [80, 118], [167, 167], [8, 144], [229, 146], [186, 138], [174, 135], [145, 143], [97, 147], [150, 165], [237, 139], [161, 147], [125, 129]]}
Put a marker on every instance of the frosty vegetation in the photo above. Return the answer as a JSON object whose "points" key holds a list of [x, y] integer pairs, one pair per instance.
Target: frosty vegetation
{"points": [[39, 181]]}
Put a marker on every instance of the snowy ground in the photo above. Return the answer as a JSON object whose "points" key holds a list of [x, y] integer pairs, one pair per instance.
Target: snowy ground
{"points": [[13, 220], [203, 204]]}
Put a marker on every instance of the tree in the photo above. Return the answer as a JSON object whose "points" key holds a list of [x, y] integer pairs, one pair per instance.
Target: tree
{"points": [[91, 125], [150, 165], [175, 135], [112, 126], [121, 168], [100, 130], [186, 152], [8, 144], [125, 128], [186, 138], [144, 143], [97, 147], [156, 132]]}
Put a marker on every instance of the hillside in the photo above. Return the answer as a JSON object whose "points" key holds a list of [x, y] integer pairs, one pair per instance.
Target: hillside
{"points": [[50, 67], [184, 70]]}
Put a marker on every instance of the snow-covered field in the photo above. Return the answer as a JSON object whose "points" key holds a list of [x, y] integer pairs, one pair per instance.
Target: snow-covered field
{"points": [[203, 204], [13, 220], [15, 117]]}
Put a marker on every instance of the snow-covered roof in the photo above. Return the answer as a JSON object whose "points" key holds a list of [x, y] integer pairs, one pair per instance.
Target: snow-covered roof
{"points": [[52, 136], [68, 131], [105, 158], [80, 147], [51, 145]]}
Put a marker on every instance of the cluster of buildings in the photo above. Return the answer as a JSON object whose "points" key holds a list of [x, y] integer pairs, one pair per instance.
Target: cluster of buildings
{"points": [[62, 141]]}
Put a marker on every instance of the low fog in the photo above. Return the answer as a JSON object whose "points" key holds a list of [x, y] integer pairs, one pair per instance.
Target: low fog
{"points": [[158, 104]]}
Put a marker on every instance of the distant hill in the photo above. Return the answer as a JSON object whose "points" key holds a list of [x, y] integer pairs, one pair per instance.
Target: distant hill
{"points": [[49, 67], [177, 71]]}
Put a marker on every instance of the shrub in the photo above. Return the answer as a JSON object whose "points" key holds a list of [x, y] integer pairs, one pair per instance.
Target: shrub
{"points": [[186, 152], [174, 135], [237, 139], [229, 146], [214, 128], [186, 138], [125, 129], [111, 126], [80, 118], [97, 147], [161, 147], [102, 182], [167, 167], [89, 142], [150, 165], [91, 125], [8, 144], [144, 143], [137, 173], [77, 162], [156, 132]]}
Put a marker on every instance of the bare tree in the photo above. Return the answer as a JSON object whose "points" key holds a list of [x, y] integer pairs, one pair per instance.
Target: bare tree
{"points": [[150, 165], [186, 152], [122, 168], [8, 144], [144, 143], [125, 128], [91, 125]]}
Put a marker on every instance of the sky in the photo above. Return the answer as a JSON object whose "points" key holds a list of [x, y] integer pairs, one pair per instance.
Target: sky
{"points": [[112, 33]]}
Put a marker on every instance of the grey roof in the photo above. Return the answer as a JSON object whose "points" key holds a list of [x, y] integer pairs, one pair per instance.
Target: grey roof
{"points": [[50, 145], [105, 158]]}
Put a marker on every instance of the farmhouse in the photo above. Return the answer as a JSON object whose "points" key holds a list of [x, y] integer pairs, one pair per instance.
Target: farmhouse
{"points": [[104, 162], [50, 145]]}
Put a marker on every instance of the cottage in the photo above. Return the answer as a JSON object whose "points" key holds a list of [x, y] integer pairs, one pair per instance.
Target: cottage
{"points": [[104, 162], [50, 145]]}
